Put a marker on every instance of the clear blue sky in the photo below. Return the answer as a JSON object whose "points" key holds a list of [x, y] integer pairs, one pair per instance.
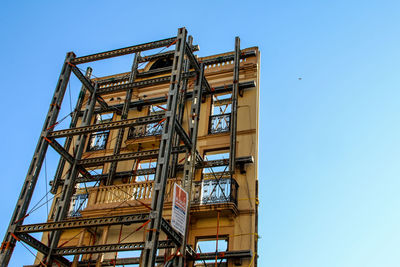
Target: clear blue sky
{"points": [[329, 143]]}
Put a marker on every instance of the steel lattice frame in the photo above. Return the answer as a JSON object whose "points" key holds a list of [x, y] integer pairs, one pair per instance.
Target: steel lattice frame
{"points": [[172, 134]]}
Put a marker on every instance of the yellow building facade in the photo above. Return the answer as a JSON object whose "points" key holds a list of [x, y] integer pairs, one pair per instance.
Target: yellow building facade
{"points": [[223, 203]]}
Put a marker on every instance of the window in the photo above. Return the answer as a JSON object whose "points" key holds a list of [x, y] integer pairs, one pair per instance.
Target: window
{"points": [[156, 128], [209, 245], [162, 63], [216, 155], [98, 140], [216, 185], [157, 109], [146, 164], [150, 129], [220, 113], [221, 104], [103, 118], [78, 203]]}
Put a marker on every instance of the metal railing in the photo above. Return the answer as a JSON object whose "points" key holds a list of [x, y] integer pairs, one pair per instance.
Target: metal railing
{"points": [[210, 191], [215, 191], [78, 203], [129, 193], [98, 141], [219, 123], [151, 129]]}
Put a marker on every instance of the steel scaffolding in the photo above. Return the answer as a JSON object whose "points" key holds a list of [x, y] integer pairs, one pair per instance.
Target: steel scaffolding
{"points": [[174, 140]]}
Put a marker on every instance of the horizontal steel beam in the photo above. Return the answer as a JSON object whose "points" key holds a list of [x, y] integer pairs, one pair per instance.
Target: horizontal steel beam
{"points": [[106, 126], [118, 175], [205, 164], [81, 223], [124, 51], [127, 86], [94, 222], [224, 255], [164, 55], [154, 72], [125, 78], [157, 100], [226, 58], [139, 84], [161, 259], [118, 262], [148, 154], [109, 248]]}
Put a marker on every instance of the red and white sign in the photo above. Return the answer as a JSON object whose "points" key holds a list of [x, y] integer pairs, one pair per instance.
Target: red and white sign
{"points": [[179, 209]]}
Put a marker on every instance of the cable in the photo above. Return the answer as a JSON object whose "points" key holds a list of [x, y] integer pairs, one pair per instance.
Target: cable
{"points": [[41, 263], [45, 176]]}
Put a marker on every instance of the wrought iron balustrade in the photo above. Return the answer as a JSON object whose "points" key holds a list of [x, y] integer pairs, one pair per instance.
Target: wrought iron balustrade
{"points": [[78, 203], [151, 129], [98, 141], [215, 191], [219, 123]]}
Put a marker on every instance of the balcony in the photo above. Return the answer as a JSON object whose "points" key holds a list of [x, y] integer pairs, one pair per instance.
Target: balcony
{"points": [[151, 129], [145, 136], [207, 195], [124, 198], [219, 123]]}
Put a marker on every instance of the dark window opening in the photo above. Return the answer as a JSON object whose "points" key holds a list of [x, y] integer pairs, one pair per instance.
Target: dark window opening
{"points": [[162, 63]]}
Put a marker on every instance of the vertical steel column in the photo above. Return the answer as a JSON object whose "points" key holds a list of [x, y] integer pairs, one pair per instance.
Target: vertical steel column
{"points": [[36, 164], [181, 110], [190, 163], [160, 179], [233, 122], [62, 207], [68, 141], [124, 116]]}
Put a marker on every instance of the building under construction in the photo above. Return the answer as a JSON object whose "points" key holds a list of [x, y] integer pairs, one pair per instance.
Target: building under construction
{"points": [[158, 166]]}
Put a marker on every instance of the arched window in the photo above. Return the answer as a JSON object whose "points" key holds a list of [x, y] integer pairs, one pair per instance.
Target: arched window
{"points": [[162, 63]]}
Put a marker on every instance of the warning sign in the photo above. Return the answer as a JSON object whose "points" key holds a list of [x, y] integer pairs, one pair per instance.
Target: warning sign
{"points": [[179, 209]]}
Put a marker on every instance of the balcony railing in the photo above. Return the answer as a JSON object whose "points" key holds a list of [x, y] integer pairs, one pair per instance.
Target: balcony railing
{"points": [[78, 203], [151, 129], [98, 141], [215, 191], [219, 123], [132, 194]]}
